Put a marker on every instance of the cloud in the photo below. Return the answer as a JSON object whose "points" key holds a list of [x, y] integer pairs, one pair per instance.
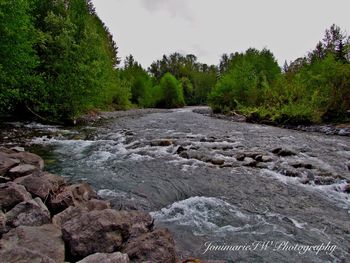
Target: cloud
{"points": [[176, 8]]}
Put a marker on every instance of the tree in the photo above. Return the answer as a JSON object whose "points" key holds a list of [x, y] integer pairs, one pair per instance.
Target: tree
{"points": [[171, 92], [17, 55]]}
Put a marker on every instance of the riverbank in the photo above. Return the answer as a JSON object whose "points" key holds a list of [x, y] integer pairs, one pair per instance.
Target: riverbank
{"points": [[342, 129]]}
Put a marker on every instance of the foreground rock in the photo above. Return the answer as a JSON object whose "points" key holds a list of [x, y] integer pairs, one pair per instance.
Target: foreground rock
{"points": [[32, 244], [100, 231], [11, 194], [116, 257], [41, 184], [142, 249], [72, 195], [6, 163], [28, 213]]}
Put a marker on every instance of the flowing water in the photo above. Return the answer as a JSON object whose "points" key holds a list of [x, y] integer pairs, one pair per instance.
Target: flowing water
{"points": [[276, 210]]}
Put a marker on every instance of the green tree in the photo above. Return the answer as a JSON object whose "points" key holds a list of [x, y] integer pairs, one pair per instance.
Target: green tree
{"points": [[171, 92]]}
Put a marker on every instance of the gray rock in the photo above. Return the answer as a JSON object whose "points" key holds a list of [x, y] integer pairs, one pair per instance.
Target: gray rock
{"points": [[101, 231], [283, 152], [32, 244], [29, 158], [28, 213], [266, 159], [41, 184], [17, 149], [22, 170], [11, 194], [248, 161], [162, 142], [6, 163], [75, 211], [72, 195], [116, 257], [217, 161], [156, 247]]}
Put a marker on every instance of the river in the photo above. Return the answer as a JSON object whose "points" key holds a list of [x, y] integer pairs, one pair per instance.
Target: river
{"points": [[197, 176]]}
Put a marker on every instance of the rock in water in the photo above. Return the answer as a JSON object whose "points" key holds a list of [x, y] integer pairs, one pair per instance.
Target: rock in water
{"points": [[116, 257], [11, 194], [155, 247], [32, 244]]}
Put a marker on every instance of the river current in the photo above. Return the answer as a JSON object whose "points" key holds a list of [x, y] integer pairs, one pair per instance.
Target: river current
{"points": [[226, 190]]}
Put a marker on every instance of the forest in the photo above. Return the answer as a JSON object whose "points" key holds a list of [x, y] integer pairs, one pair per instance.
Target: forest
{"points": [[58, 61]]}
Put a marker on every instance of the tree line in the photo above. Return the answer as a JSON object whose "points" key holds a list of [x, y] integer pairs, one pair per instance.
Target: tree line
{"points": [[58, 60], [312, 89]]}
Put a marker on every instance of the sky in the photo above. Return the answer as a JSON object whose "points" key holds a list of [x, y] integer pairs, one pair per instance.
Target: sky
{"points": [[147, 29]]}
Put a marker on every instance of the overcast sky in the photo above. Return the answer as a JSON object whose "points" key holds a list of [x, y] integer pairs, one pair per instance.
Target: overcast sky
{"points": [[208, 28]]}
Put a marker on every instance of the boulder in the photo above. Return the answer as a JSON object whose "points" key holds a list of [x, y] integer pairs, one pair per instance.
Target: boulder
{"points": [[29, 158], [32, 244], [11, 194], [28, 213], [6, 163], [156, 247], [116, 257], [96, 231], [21, 170], [6, 150], [75, 211], [41, 184]]}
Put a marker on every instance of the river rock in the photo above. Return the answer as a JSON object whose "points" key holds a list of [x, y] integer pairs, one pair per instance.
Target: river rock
{"points": [[6, 150], [32, 244], [29, 158], [96, 231], [41, 184], [248, 161], [11, 194], [156, 247], [21, 170], [28, 213], [347, 189], [162, 142], [301, 164], [217, 161], [6, 163], [283, 152], [240, 157], [266, 159], [180, 149], [116, 257]]}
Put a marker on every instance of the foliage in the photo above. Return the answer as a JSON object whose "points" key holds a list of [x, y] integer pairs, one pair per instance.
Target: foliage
{"points": [[171, 93]]}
